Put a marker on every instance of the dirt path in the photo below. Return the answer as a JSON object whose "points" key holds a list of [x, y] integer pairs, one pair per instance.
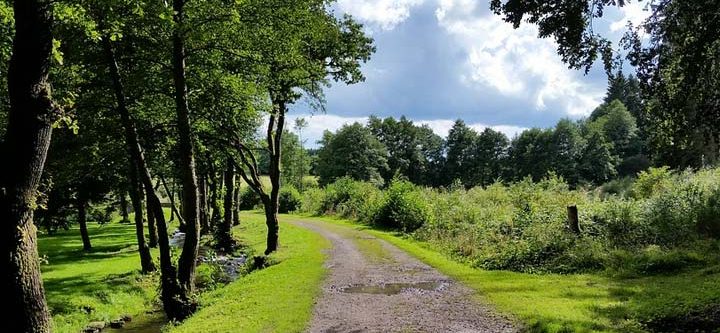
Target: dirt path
{"points": [[373, 286]]}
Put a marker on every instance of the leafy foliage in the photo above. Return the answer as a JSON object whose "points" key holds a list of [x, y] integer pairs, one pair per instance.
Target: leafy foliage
{"points": [[523, 226]]}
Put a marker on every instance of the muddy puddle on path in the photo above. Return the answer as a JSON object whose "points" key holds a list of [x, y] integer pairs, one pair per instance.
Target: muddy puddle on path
{"points": [[395, 288], [145, 323]]}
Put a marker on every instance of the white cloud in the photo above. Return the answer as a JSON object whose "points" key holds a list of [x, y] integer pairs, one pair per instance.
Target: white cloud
{"points": [[318, 124], [634, 12], [442, 127], [515, 62], [385, 13]]}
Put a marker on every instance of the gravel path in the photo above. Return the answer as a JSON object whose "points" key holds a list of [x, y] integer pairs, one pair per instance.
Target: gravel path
{"points": [[373, 286]]}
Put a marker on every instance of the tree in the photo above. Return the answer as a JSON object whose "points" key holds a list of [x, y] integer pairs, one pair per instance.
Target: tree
{"points": [[596, 163], [680, 80], [412, 150], [625, 89], [490, 153], [294, 163], [304, 161], [531, 154], [567, 144], [31, 117], [459, 145], [302, 46], [351, 152]]}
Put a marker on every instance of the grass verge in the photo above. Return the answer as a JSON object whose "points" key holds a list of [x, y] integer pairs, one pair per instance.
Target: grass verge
{"points": [[578, 302], [275, 299], [98, 285]]}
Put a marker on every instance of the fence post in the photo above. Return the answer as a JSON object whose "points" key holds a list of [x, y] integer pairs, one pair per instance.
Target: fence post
{"points": [[573, 222]]}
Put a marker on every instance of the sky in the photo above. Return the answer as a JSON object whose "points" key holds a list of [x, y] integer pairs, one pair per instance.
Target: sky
{"points": [[442, 60]]}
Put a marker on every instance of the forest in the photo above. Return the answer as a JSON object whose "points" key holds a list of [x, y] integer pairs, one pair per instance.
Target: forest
{"points": [[153, 180]]}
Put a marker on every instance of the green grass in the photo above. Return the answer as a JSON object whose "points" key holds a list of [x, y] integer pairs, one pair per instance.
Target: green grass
{"points": [[570, 303], [98, 285], [275, 299]]}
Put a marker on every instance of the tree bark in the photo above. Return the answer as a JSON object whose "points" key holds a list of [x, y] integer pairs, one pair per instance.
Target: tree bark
{"points": [[152, 230], [124, 207], [27, 139], [224, 237], [203, 206], [187, 261], [271, 207], [215, 214], [146, 261], [82, 220], [176, 302], [573, 221], [236, 205], [173, 207]]}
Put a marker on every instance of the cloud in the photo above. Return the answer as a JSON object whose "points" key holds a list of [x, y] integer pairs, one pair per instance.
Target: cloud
{"points": [[318, 124], [514, 62], [442, 127], [385, 13], [634, 12]]}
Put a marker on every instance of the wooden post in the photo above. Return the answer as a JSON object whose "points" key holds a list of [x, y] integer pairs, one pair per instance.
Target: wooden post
{"points": [[573, 222]]}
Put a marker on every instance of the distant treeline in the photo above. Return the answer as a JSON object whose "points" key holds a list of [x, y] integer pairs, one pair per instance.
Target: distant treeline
{"points": [[610, 143]]}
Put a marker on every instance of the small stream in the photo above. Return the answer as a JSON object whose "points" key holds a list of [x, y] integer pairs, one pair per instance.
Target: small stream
{"points": [[144, 323]]}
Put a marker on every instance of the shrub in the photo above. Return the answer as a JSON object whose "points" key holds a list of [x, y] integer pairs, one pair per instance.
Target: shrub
{"points": [[249, 199], [404, 207], [312, 201], [289, 200], [650, 181], [659, 226]]}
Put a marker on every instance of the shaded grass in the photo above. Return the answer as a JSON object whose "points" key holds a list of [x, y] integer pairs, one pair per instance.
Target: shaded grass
{"points": [[576, 302], [275, 299], [101, 284]]}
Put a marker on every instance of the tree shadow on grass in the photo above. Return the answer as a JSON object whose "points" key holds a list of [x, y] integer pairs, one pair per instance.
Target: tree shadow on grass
{"points": [[82, 293]]}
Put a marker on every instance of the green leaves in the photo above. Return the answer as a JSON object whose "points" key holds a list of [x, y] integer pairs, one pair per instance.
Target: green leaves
{"points": [[56, 53]]}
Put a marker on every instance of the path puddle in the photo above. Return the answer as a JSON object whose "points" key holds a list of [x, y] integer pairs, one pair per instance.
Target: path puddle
{"points": [[395, 288]]}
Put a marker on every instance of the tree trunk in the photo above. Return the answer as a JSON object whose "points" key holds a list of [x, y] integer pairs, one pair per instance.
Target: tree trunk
{"points": [[27, 139], [146, 261], [271, 207], [174, 209], [176, 303], [124, 207], [573, 221], [215, 215], [224, 236], [82, 220], [187, 262], [152, 230], [203, 206], [236, 205]]}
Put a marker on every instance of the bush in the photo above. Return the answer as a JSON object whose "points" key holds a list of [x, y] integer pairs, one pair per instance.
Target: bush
{"points": [[249, 200], [659, 226], [651, 181], [404, 207], [289, 200]]}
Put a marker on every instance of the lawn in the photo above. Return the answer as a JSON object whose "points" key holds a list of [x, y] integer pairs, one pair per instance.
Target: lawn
{"points": [[98, 285], [279, 298], [578, 302]]}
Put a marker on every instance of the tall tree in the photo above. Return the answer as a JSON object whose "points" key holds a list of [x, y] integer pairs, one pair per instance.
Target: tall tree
{"points": [[30, 119], [412, 150], [458, 146], [302, 46], [351, 152], [677, 65], [490, 152], [177, 302]]}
